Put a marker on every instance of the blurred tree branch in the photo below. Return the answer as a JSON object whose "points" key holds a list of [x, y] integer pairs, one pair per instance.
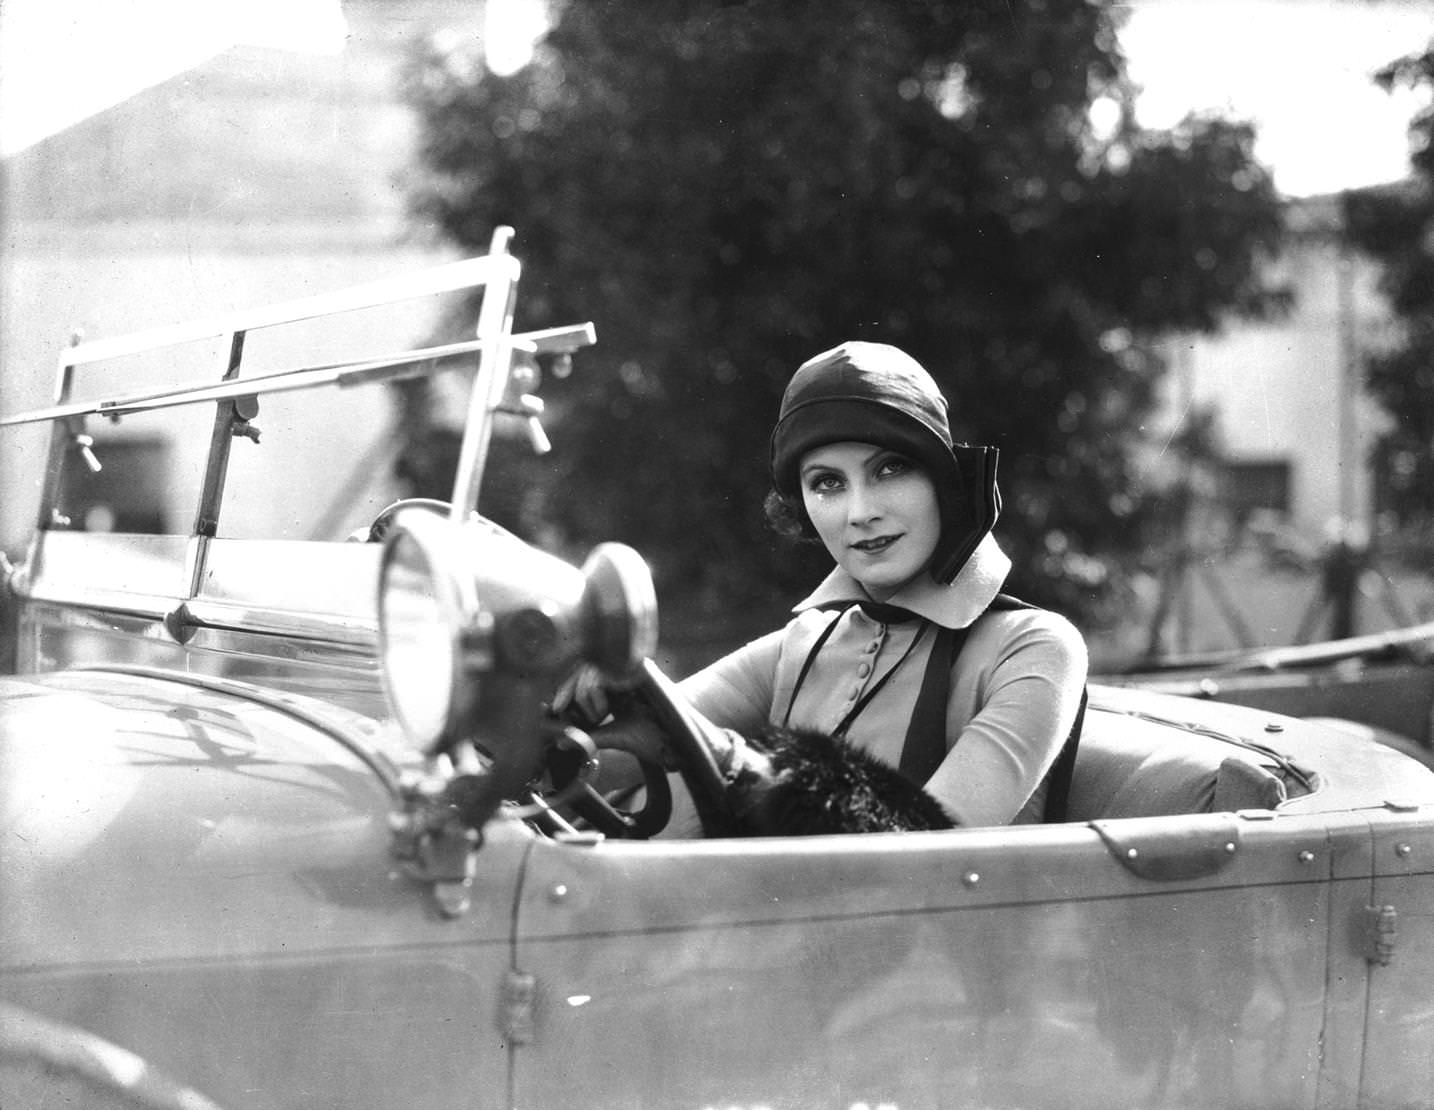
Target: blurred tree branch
{"points": [[1394, 225]]}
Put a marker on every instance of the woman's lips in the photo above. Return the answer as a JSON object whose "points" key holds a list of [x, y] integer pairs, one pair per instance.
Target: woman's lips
{"points": [[874, 546]]}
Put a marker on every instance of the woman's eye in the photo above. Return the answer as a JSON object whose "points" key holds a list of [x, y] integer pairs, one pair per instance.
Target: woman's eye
{"points": [[823, 483], [892, 466]]}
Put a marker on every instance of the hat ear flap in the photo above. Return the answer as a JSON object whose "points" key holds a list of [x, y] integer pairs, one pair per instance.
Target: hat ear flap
{"points": [[979, 502]]}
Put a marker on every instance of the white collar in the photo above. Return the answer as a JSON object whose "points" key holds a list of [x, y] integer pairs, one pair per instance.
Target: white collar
{"points": [[952, 606]]}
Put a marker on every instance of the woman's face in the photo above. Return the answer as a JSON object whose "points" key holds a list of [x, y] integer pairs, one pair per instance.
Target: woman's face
{"points": [[875, 510]]}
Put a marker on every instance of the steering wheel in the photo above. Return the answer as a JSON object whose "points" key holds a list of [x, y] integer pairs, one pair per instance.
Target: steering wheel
{"points": [[384, 521], [688, 737], [694, 743], [777, 791], [604, 810]]}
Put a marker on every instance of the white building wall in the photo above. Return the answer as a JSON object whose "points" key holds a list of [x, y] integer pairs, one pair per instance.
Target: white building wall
{"points": [[1288, 389], [260, 176], [106, 290]]}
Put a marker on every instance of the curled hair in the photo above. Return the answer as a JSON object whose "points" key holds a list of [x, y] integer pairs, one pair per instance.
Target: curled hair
{"points": [[788, 518]]}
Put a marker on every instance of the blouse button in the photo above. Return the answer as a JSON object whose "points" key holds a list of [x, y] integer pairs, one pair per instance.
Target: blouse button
{"points": [[863, 669], [871, 648], [855, 692]]}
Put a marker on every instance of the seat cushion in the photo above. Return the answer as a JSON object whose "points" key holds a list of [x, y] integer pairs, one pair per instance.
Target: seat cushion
{"points": [[1131, 767]]}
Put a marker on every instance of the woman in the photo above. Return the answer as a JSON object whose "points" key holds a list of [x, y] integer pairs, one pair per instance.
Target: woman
{"points": [[907, 652]]}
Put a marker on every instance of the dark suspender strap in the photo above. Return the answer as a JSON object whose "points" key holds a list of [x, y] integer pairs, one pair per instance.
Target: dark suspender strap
{"points": [[1058, 789], [925, 745]]}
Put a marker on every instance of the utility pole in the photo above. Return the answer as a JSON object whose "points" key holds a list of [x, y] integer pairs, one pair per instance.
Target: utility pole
{"points": [[1344, 562]]}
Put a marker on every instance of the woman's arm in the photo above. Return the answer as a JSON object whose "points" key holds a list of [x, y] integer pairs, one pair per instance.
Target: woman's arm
{"points": [[1014, 699], [736, 691]]}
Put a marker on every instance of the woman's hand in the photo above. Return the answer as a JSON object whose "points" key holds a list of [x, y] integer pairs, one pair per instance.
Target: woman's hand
{"points": [[620, 723], [583, 698], [638, 734]]}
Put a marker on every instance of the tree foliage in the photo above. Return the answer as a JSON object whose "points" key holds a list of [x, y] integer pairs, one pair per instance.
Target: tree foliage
{"points": [[729, 188], [1395, 226]]}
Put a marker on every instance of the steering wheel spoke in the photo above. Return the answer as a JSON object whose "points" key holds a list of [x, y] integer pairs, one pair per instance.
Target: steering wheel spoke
{"points": [[572, 765]]}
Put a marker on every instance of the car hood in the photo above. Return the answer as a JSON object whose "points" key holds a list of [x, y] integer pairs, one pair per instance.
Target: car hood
{"points": [[148, 816]]}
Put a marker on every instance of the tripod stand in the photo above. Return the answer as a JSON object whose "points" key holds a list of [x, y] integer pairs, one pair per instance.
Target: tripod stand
{"points": [[1344, 569]]}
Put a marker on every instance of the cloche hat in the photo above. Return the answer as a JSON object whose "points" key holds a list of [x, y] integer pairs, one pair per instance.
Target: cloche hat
{"points": [[875, 393]]}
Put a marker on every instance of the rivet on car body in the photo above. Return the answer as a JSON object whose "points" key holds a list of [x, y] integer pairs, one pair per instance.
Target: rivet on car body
{"points": [[558, 892], [971, 878], [1230, 847], [1132, 853], [1403, 850], [1274, 726], [1307, 856]]}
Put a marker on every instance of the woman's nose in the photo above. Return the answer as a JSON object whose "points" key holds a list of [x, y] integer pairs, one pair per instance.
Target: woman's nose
{"points": [[861, 505]]}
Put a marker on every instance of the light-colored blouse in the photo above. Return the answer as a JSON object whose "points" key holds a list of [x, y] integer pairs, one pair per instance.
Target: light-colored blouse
{"points": [[1015, 688]]}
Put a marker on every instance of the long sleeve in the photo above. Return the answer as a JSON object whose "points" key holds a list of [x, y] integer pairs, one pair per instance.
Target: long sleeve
{"points": [[736, 691], [1014, 698]]}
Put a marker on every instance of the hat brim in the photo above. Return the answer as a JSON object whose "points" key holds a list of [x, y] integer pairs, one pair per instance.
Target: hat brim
{"points": [[854, 420]]}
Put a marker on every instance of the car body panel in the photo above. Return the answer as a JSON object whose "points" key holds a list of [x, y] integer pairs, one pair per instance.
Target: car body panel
{"points": [[49, 1063], [205, 879], [253, 924], [975, 967], [1400, 1032], [1038, 965]]}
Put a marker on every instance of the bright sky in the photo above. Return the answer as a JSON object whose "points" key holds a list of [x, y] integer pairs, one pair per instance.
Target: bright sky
{"points": [[64, 60], [510, 28], [1299, 68]]}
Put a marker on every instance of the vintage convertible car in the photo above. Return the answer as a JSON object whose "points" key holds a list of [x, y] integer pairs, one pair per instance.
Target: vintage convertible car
{"points": [[1378, 685], [288, 823]]}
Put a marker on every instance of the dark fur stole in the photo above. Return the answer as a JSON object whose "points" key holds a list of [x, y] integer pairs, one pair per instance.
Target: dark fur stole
{"points": [[822, 784]]}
